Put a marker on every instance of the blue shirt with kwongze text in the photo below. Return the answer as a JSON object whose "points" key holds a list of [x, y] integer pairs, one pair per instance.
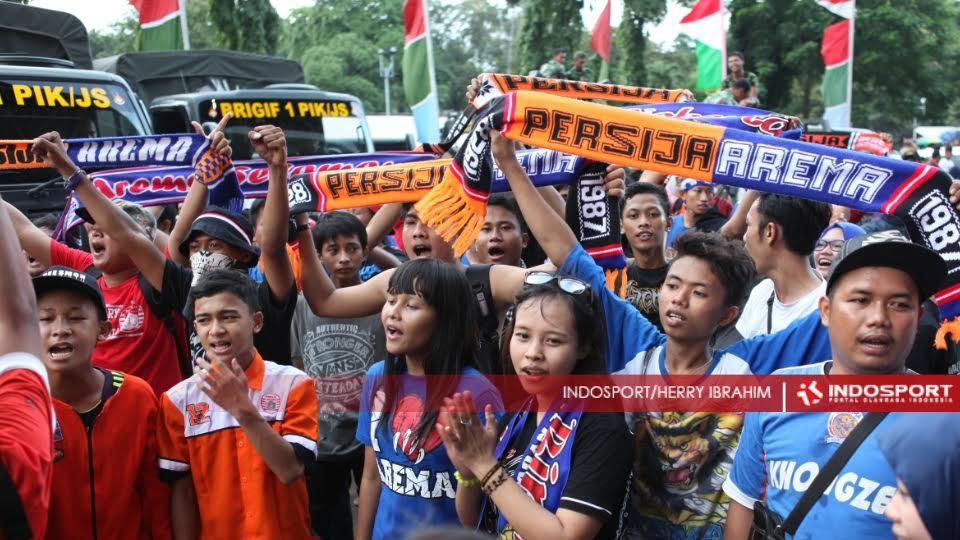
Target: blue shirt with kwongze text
{"points": [[417, 483], [782, 454]]}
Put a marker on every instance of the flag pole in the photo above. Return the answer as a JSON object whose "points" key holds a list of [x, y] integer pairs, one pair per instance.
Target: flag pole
{"points": [[430, 68], [853, 18], [184, 31], [723, 42]]}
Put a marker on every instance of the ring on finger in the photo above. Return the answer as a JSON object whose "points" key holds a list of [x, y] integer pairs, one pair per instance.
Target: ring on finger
{"points": [[465, 420]]}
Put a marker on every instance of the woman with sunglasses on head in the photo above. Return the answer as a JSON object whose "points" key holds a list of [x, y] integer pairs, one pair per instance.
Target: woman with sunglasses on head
{"points": [[550, 470], [408, 481]]}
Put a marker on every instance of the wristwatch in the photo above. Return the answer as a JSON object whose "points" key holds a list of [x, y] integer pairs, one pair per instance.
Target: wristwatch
{"points": [[71, 182]]}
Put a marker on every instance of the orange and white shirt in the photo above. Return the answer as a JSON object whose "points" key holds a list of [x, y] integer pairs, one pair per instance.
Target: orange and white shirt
{"points": [[237, 493]]}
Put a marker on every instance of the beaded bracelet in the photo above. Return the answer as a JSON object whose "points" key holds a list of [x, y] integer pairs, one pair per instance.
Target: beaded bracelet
{"points": [[465, 482], [495, 483], [490, 473], [71, 182]]}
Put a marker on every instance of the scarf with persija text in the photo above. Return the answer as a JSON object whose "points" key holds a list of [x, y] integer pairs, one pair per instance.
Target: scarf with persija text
{"points": [[917, 193], [493, 85]]}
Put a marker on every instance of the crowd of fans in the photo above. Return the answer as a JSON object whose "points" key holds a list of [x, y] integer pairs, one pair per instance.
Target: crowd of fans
{"points": [[223, 375]]}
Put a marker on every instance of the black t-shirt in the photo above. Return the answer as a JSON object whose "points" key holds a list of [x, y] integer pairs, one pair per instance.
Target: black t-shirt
{"points": [[642, 290], [601, 462], [273, 340]]}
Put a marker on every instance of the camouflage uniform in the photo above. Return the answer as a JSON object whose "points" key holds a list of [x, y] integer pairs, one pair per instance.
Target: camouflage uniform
{"points": [[553, 70]]}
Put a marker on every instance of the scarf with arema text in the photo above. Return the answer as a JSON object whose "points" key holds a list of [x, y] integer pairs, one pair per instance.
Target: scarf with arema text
{"points": [[917, 193]]}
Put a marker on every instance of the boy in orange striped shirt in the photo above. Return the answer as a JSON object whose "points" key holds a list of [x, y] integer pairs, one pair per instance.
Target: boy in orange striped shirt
{"points": [[236, 437]]}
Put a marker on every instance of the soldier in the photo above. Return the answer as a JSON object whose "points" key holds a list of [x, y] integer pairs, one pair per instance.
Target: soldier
{"points": [[554, 69], [580, 71]]}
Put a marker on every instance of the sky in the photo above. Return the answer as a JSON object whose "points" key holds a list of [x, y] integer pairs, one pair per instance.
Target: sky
{"points": [[108, 12]]}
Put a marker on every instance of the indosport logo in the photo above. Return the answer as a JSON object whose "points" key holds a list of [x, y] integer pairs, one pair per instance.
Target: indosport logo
{"points": [[809, 393], [873, 393]]}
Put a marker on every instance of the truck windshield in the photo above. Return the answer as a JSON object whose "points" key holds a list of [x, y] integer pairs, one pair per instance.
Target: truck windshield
{"points": [[312, 127], [29, 108]]}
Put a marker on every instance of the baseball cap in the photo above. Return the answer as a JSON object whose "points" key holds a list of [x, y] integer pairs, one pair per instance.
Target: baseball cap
{"points": [[224, 225], [60, 277], [893, 250], [690, 183]]}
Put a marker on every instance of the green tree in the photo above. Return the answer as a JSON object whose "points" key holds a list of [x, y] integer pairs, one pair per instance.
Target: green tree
{"points": [[546, 26], [632, 40], [199, 26], [119, 38], [245, 25], [903, 50], [675, 68]]}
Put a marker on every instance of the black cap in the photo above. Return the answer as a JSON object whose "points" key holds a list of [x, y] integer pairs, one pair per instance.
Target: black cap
{"points": [[226, 226], [893, 250], [60, 277]]}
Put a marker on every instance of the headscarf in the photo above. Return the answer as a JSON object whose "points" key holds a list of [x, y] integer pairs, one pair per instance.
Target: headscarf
{"points": [[849, 230], [933, 478]]}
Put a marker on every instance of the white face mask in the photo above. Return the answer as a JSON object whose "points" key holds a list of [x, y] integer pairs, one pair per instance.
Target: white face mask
{"points": [[202, 262]]}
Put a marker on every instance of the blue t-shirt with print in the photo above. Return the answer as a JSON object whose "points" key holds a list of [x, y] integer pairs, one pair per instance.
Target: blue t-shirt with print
{"points": [[417, 483], [783, 452], [630, 334]]}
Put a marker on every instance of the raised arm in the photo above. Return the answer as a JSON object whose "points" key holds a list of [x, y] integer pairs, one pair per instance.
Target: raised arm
{"points": [[110, 219], [549, 228], [324, 298], [19, 329], [737, 224], [34, 241], [381, 224], [271, 144], [198, 196]]}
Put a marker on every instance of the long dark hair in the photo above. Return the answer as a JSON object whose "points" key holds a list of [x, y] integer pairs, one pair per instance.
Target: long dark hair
{"points": [[453, 343], [588, 322]]}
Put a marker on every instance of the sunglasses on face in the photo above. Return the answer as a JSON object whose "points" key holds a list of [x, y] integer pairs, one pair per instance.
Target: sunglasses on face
{"points": [[566, 284], [834, 245]]}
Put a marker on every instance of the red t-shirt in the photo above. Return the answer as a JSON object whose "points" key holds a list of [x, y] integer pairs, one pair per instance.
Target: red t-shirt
{"points": [[26, 435], [138, 343]]}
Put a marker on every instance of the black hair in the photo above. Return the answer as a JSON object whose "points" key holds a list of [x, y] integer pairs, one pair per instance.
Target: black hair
{"points": [[453, 342], [802, 220], [741, 84], [333, 224], [640, 188], [46, 221], [509, 204], [588, 322], [738, 54], [223, 280], [559, 50], [256, 209], [728, 260]]}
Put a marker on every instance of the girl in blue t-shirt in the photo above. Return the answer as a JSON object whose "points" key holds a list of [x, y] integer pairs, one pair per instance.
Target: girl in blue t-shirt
{"points": [[551, 470], [430, 324]]}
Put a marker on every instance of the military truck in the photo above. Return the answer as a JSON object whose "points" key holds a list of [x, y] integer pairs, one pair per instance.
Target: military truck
{"points": [[47, 84], [203, 85]]}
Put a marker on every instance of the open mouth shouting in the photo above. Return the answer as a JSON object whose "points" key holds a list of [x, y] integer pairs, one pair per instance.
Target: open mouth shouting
{"points": [[533, 375], [673, 318], [97, 249], [220, 348], [60, 351], [392, 332], [496, 253], [421, 251], [877, 344]]}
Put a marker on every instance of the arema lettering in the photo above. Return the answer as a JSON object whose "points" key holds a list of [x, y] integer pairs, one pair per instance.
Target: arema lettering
{"points": [[425, 483], [805, 170], [157, 149]]}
